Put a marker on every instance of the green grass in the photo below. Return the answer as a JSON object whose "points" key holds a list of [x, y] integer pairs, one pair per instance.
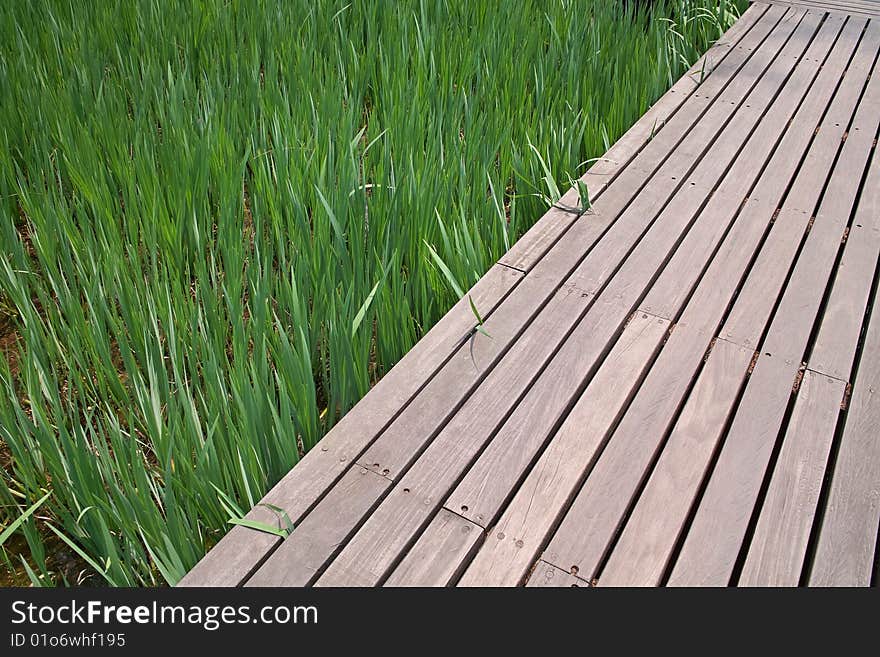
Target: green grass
{"points": [[221, 221]]}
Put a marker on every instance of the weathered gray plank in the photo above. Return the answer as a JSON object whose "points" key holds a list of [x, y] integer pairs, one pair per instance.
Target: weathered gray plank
{"points": [[298, 560], [593, 520], [491, 479], [446, 454], [860, 4], [847, 539], [779, 545], [589, 526], [848, 534], [766, 396], [512, 545], [546, 575], [641, 555], [746, 321], [725, 511], [242, 549], [830, 5], [686, 265], [529, 248], [438, 556], [841, 327]]}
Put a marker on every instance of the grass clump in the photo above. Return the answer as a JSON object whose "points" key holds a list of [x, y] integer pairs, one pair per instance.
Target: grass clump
{"points": [[222, 220]]}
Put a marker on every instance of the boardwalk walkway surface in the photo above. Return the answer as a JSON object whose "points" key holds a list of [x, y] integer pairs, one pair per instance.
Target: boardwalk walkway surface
{"points": [[678, 386]]}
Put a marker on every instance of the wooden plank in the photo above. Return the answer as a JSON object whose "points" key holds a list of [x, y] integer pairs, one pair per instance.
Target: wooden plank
{"points": [[725, 511], [715, 103], [872, 5], [746, 321], [773, 23], [478, 417], [304, 553], [529, 248], [841, 327], [687, 264], [591, 523], [779, 545], [438, 556], [491, 479], [589, 528], [847, 539], [766, 400], [836, 6], [512, 545], [641, 555], [243, 549], [547, 575], [859, 4]]}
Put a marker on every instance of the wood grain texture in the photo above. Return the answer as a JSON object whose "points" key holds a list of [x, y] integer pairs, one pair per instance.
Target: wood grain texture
{"points": [[747, 319], [658, 518], [711, 547], [588, 530], [803, 296], [493, 477], [514, 542], [725, 511], [774, 131], [546, 575], [439, 555], [778, 547], [842, 319], [590, 525], [847, 542], [302, 555]]}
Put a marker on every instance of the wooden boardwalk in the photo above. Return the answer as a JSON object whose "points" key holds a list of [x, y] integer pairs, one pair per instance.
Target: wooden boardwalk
{"points": [[679, 386]]}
